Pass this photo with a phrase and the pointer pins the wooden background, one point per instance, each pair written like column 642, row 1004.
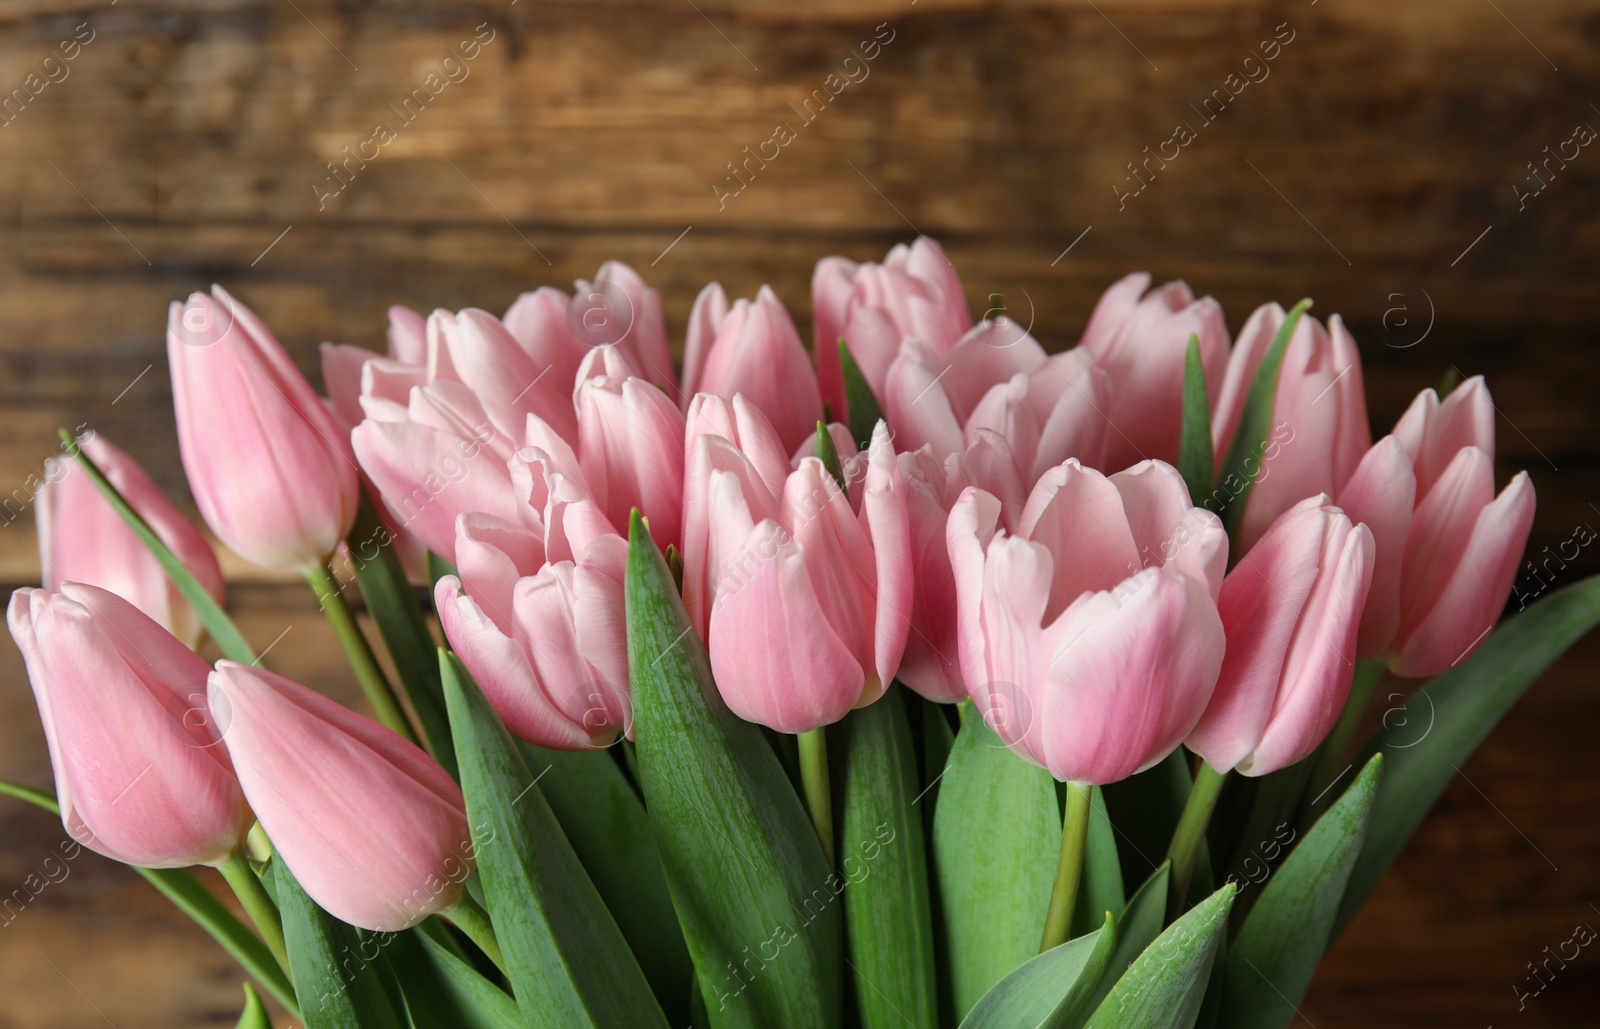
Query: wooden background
column 1373, row 169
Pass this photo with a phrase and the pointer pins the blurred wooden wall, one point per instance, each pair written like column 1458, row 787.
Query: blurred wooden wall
column 1380, row 164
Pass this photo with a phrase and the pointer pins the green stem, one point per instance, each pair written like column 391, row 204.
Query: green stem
column 1069, row 867
column 1331, row 755
column 262, row 911
column 471, row 919
column 373, row 682
column 1191, row 832
column 814, row 777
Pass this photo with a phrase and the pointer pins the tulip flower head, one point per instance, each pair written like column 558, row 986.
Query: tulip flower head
column 140, row 774
column 268, row 463
column 370, row 825
column 1290, row 609
column 83, row 539
column 1090, row 639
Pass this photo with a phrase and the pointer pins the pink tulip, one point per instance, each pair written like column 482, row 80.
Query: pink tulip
column 140, row 775
column 1054, row 412
column 809, row 598
column 915, row 292
column 343, row 365
column 83, row 539
column 618, row 309
column 537, row 614
column 1319, row 415
column 541, row 322
column 753, row 348
column 630, row 448
column 370, row 825
column 1090, row 638
column 1143, row 345
column 269, row 465
column 1290, row 609
column 1445, row 565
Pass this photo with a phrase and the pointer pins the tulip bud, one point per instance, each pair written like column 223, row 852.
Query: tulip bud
column 1143, row 345
column 539, row 321
column 753, row 348
column 269, row 466
column 619, row 310
column 538, row 616
column 140, row 774
column 1290, row 609
column 1090, row 639
column 915, row 292
column 630, row 446
column 83, row 539
column 370, row 825
column 809, row 599
column 1319, row 414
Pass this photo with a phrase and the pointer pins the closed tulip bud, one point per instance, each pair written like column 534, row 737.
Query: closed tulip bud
column 1290, row 609
column 370, row 825
column 618, row 309
column 1319, row 414
column 1049, row 414
column 753, row 348
column 507, row 381
column 537, row 616
column 630, row 448
column 539, row 320
column 809, row 598
column 1142, row 341
column 83, row 539
column 140, row 774
column 1090, row 638
column 1447, row 547
column 268, row 463
column 915, row 292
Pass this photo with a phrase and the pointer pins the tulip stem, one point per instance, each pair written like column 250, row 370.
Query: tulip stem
column 262, row 911
column 356, row 650
column 475, row 922
column 1069, row 867
column 814, row 777
column 1191, row 833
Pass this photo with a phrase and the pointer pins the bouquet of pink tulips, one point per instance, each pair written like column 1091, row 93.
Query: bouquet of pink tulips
column 927, row 680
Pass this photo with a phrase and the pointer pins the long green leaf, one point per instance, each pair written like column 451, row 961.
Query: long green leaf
column 194, row 900
column 1195, row 461
column 1138, row 924
column 398, row 615
column 605, row 822
column 254, row 1015
column 758, row 903
column 440, row 989
column 865, row 411
column 1463, row 705
column 1051, row 991
column 1165, row 985
column 217, row 623
column 340, row 988
column 888, row 921
column 565, row 956
column 1275, row 955
column 1100, row 891
column 1251, row 435
column 996, row 832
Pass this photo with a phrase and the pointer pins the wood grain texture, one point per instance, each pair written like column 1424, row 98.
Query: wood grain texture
column 1372, row 169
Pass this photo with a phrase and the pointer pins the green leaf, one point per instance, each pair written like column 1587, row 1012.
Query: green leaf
column 605, row 822
column 888, row 920
column 194, row 900
column 1051, row 991
column 1275, row 955
column 217, row 623
column 339, row 987
column 758, row 904
column 1164, row 986
column 1100, row 891
column 1138, row 924
column 254, row 1015
column 1254, row 431
column 828, row 454
column 865, row 411
column 996, row 832
column 567, row 960
column 440, row 989
column 1195, row 460
column 398, row 615
column 1461, row 706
